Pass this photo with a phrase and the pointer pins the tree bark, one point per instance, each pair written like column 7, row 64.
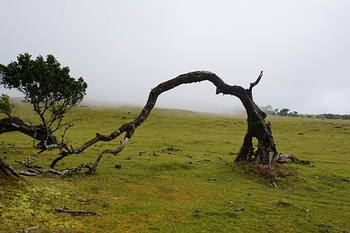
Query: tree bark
column 257, row 127
column 37, row 132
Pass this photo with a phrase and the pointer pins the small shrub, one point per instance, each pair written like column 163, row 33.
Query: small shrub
column 5, row 106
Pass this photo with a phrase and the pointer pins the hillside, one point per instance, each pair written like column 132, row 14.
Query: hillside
column 177, row 175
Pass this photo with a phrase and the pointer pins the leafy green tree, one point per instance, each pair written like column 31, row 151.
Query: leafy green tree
column 284, row 112
column 46, row 85
column 294, row 114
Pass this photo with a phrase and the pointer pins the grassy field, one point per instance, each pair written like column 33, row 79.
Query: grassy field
column 177, row 175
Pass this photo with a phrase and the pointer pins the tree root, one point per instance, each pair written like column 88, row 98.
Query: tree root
column 86, row 169
column 7, row 171
column 282, row 158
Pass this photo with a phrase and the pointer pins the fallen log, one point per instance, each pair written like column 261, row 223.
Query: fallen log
column 27, row 230
column 76, row 212
column 7, row 171
column 282, row 158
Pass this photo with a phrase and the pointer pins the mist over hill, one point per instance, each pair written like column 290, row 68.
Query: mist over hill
column 211, row 108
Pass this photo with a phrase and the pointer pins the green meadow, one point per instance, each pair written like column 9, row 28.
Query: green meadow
column 177, row 175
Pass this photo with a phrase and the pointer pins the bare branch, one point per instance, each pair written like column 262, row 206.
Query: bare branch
column 27, row 230
column 114, row 152
column 76, row 212
column 28, row 163
column 253, row 84
column 67, row 126
column 256, row 81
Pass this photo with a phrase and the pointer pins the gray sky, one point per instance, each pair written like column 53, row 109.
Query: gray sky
column 124, row 48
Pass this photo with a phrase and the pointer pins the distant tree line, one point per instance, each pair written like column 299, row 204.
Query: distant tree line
column 286, row 112
column 279, row 112
column 331, row 116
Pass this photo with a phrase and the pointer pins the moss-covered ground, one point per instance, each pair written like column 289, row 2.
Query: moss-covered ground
column 177, row 175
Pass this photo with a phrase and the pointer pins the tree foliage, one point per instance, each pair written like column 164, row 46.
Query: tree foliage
column 284, row 112
column 46, row 85
column 5, row 105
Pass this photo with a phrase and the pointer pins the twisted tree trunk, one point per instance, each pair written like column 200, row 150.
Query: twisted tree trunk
column 257, row 127
column 37, row 132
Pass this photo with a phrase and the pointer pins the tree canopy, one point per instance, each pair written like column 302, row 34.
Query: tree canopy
column 46, row 85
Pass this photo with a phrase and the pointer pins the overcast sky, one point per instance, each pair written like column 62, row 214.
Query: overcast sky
column 124, row 48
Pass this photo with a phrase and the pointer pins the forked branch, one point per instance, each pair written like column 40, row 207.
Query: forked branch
column 253, row 84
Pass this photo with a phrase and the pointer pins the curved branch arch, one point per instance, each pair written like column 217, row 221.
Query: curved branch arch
column 257, row 127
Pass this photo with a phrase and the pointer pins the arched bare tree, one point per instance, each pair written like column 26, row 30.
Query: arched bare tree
column 258, row 128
